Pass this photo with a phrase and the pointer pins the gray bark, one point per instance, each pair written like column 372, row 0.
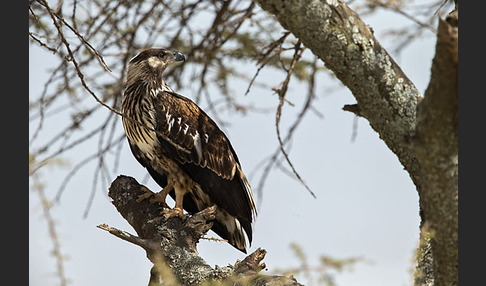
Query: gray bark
column 422, row 133
column 436, row 148
column 171, row 245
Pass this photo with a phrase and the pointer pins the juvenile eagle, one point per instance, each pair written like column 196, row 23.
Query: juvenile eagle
column 184, row 150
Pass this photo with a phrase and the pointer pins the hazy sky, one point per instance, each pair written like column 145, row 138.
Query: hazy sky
column 366, row 204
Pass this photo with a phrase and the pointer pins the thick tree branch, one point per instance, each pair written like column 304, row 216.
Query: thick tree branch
column 171, row 245
column 422, row 135
column 336, row 34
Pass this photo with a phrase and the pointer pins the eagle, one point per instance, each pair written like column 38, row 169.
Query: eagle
column 184, row 150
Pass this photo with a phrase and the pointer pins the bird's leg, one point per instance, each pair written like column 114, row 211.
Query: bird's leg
column 177, row 211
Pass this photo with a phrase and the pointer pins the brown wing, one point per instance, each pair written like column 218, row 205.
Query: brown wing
column 194, row 135
column 191, row 138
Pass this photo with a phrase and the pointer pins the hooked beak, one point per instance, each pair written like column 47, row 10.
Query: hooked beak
column 179, row 57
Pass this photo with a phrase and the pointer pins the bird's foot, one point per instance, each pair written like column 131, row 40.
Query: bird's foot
column 158, row 198
column 168, row 213
column 146, row 194
column 153, row 197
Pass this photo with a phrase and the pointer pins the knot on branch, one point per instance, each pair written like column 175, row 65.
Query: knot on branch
column 145, row 217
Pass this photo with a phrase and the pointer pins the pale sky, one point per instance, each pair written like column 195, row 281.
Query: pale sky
column 366, row 204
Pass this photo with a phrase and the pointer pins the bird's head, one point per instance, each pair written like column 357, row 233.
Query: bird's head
column 149, row 64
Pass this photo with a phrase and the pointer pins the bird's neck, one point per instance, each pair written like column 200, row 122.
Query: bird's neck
column 161, row 85
column 138, row 72
column 153, row 83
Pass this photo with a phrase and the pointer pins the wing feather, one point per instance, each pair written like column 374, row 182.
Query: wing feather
column 203, row 151
column 187, row 127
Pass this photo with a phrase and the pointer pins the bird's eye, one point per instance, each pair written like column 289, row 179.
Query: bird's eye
column 161, row 54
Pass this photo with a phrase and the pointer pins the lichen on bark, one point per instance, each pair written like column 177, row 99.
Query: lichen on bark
column 422, row 132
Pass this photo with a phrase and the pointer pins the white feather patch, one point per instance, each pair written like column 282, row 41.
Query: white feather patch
column 197, row 145
column 238, row 225
column 154, row 62
column 169, row 120
column 171, row 123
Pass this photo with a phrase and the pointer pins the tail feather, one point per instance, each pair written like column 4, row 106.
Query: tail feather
column 233, row 230
column 225, row 225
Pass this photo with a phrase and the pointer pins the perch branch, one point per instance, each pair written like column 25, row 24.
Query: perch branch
column 171, row 245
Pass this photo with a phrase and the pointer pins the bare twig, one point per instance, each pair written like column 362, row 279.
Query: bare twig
column 73, row 58
column 46, row 207
column 282, row 92
column 144, row 243
column 264, row 59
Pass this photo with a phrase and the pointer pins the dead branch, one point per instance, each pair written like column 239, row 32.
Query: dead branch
column 171, row 245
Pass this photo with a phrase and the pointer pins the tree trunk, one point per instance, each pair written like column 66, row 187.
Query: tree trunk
column 436, row 148
column 422, row 133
